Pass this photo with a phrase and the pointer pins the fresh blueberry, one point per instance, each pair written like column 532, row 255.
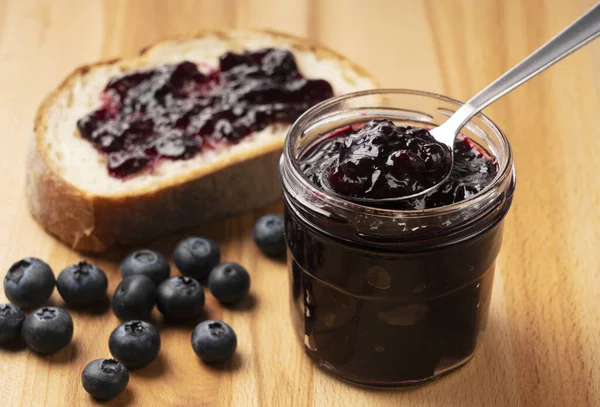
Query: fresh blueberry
column 180, row 298
column 214, row 341
column 196, row 256
column 229, row 282
column 268, row 235
column 11, row 320
column 104, row 379
column 29, row 283
column 134, row 298
column 48, row 330
column 135, row 343
column 82, row 284
column 147, row 262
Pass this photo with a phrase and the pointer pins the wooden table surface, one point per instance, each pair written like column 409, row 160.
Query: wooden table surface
column 542, row 346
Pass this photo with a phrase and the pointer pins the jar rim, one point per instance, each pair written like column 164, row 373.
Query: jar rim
column 505, row 170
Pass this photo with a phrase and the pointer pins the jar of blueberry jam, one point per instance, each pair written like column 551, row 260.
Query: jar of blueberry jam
column 393, row 293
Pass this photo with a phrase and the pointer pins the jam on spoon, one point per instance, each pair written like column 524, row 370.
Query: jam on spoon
column 380, row 160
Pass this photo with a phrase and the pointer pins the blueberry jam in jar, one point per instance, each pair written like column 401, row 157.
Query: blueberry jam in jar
column 394, row 294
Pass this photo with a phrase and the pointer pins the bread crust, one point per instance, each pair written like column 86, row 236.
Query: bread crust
column 93, row 223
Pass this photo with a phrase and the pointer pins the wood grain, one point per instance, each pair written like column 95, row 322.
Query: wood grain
column 542, row 343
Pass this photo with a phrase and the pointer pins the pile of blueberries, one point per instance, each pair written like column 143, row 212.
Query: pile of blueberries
column 146, row 282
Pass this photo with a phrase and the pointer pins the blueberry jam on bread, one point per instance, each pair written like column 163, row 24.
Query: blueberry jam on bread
column 189, row 131
column 175, row 111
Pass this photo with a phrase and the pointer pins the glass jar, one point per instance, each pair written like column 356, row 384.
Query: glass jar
column 384, row 297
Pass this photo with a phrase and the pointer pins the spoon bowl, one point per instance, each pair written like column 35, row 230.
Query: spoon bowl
column 379, row 201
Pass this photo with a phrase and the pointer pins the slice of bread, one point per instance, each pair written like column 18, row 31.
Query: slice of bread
column 72, row 196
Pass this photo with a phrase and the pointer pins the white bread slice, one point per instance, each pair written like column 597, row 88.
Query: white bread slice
column 72, row 196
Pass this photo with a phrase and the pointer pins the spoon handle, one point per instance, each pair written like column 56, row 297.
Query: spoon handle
column 575, row 36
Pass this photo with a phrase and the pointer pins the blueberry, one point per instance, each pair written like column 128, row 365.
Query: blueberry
column 11, row 320
column 29, row 283
column 104, row 379
column 279, row 62
column 229, row 282
column 404, row 161
column 48, row 330
column 82, row 284
column 196, row 256
column 134, row 298
column 135, row 343
column 214, row 341
column 180, row 298
column 147, row 262
column 268, row 235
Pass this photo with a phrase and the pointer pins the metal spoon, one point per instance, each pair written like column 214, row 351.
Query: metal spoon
column 575, row 36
